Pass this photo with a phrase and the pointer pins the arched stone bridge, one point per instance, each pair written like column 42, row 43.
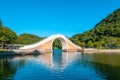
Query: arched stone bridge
column 46, row 44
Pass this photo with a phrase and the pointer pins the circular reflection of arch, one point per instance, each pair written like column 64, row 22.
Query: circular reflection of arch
column 63, row 42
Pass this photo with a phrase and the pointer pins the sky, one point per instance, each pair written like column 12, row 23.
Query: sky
column 48, row 17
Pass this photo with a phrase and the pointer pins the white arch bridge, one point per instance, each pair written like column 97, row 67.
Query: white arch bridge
column 46, row 44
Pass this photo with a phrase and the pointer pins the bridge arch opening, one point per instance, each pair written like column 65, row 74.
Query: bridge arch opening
column 60, row 42
column 57, row 44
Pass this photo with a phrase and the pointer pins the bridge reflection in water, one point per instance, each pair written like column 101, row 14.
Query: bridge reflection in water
column 57, row 59
column 19, row 67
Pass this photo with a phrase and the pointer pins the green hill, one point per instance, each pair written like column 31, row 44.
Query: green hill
column 106, row 34
column 27, row 39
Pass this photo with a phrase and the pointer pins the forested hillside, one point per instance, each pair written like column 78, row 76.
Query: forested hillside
column 7, row 36
column 106, row 34
column 27, row 39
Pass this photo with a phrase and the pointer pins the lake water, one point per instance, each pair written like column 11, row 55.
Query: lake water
column 61, row 66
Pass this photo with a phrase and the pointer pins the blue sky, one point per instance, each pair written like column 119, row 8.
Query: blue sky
column 47, row 17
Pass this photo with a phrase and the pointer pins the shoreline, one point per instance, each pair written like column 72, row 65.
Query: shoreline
column 37, row 52
column 93, row 50
column 17, row 53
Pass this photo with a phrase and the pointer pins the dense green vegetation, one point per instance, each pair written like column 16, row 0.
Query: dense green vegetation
column 27, row 39
column 6, row 35
column 57, row 44
column 106, row 34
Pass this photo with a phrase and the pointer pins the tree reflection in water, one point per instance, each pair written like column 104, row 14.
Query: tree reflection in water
column 106, row 64
column 9, row 66
column 6, row 70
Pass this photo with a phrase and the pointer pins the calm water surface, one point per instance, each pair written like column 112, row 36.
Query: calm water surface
column 61, row 66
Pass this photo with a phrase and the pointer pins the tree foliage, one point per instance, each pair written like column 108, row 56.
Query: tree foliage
column 57, row 44
column 27, row 39
column 6, row 35
column 106, row 34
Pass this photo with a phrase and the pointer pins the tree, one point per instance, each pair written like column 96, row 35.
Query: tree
column 0, row 23
column 82, row 44
column 90, row 44
column 97, row 44
column 1, row 27
column 6, row 35
column 57, row 44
